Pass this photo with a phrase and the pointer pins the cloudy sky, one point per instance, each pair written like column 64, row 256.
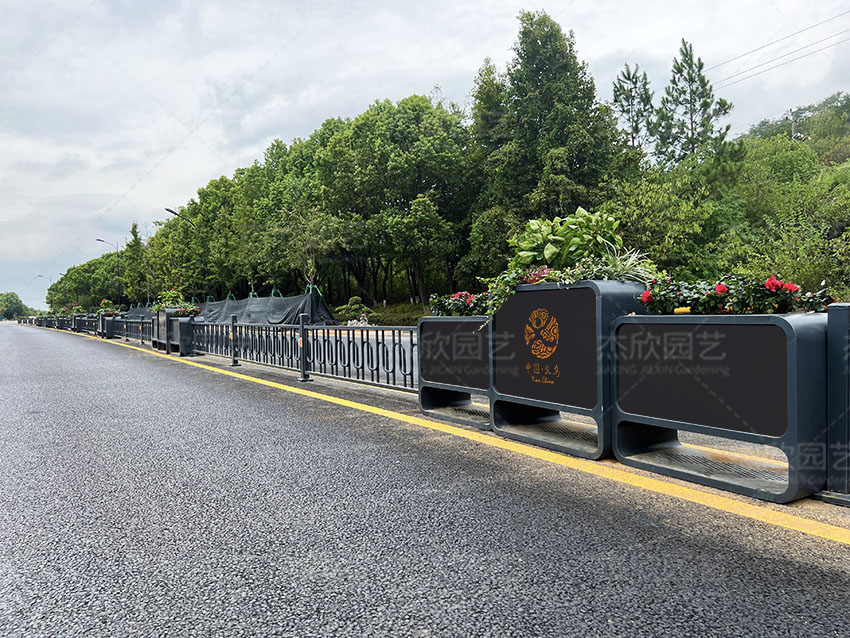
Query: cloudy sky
column 111, row 110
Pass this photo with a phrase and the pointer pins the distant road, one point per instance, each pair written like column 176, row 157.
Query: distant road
column 142, row 496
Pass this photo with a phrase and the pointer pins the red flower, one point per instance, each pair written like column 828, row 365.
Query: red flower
column 721, row 289
column 456, row 295
column 773, row 284
column 646, row 297
column 791, row 287
column 469, row 300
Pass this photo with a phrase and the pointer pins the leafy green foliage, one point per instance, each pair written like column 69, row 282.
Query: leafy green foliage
column 11, row 306
column 560, row 243
column 416, row 196
column 354, row 309
column 107, row 308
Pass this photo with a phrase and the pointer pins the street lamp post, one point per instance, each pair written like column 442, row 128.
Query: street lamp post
column 117, row 266
column 47, row 296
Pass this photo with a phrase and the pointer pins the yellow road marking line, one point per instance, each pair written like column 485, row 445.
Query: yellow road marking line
column 607, row 470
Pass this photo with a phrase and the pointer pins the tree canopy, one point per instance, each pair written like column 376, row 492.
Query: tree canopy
column 418, row 196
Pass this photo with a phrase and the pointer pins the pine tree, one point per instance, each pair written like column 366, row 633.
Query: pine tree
column 688, row 116
column 633, row 104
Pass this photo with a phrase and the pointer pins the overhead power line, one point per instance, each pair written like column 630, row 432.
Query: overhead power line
column 799, row 57
column 784, row 55
column 782, row 39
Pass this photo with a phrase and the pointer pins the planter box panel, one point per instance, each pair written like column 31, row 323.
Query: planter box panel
column 757, row 378
column 551, row 353
column 454, row 365
column 731, row 377
column 545, row 348
column 453, row 351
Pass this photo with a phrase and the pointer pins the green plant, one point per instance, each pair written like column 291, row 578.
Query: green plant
column 78, row 310
column 459, row 304
column 561, row 243
column 186, row 310
column 612, row 263
column 107, row 308
column 354, row 309
column 731, row 294
column 169, row 299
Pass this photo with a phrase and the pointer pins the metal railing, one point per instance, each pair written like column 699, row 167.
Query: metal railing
column 375, row 355
column 133, row 329
column 87, row 324
column 381, row 355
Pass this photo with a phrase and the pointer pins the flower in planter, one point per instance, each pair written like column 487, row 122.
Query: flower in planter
column 773, row 284
column 646, row 297
column 459, row 304
column 732, row 294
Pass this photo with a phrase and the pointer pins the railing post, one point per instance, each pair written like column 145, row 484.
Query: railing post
column 126, row 334
column 304, row 344
column 142, row 331
column 233, row 341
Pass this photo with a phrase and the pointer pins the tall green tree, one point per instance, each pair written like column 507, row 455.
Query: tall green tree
column 689, row 115
column 419, row 234
column 136, row 283
column 11, row 305
column 555, row 125
column 633, row 104
column 489, row 108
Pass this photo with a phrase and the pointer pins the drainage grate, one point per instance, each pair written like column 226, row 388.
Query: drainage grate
column 562, row 429
column 707, row 466
column 473, row 412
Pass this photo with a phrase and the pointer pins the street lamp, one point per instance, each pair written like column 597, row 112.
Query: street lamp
column 47, row 296
column 117, row 266
column 185, row 219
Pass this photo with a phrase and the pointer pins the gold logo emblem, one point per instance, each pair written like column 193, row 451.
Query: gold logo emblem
column 541, row 332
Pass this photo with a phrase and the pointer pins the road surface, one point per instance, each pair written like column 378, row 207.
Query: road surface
column 143, row 496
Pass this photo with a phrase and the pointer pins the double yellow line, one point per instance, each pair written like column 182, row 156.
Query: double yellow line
column 605, row 470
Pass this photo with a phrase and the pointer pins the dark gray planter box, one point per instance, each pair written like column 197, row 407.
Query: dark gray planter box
column 838, row 405
column 173, row 334
column 757, row 378
column 106, row 326
column 551, row 354
column 454, row 365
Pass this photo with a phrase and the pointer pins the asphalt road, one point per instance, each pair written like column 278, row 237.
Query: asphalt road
column 141, row 496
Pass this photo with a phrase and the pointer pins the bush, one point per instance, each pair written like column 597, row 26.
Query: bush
column 402, row 314
column 354, row 309
column 107, row 308
column 459, row 304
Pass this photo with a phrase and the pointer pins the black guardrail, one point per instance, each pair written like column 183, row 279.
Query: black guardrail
column 376, row 355
column 551, row 357
column 758, row 379
column 454, row 367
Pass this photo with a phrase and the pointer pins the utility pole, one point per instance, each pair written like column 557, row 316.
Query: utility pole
column 793, row 117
